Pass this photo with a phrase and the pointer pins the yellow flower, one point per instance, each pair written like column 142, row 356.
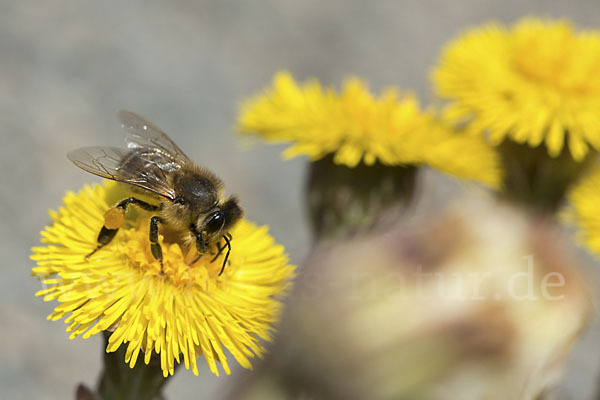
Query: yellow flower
column 537, row 82
column 356, row 127
column 585, row 210
column 189, row 310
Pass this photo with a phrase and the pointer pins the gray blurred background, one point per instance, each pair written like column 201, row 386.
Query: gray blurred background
column 66, row 67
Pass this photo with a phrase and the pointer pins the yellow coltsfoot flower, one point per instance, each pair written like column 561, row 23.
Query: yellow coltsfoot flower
column 364, row 150
column 183, row 311
column 536, row 82
column 357, row 128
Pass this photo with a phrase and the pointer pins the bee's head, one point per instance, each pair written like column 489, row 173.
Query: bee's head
column 212, row 226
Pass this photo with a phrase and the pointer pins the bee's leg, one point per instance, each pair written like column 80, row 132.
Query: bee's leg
column 154, row 246
column 114, row 218
column 199, row 256
column 220, row 249
column 104, row 238
column 140, row 203
column 228, row 244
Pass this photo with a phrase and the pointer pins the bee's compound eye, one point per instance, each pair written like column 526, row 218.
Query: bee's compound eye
column 215, row 222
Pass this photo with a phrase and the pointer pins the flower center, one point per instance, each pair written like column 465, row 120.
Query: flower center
column 554, row 56
column 181, row 269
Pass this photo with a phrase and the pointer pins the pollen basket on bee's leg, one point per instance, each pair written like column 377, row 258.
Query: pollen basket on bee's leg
column 114, row 218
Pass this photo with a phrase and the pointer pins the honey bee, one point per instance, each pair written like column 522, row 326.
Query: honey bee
column 190, row 199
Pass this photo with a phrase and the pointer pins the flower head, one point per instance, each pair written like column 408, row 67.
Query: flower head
column 536, row 82
column 585, row 210
column 187, row 310
column 356, row 127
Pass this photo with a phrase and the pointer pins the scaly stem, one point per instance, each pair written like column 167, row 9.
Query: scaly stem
column 536, row 180
column 343, row 200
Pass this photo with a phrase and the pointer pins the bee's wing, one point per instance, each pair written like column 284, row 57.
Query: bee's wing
column 146, row 168
column 143, row 133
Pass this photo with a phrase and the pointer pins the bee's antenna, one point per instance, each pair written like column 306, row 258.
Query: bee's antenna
column 226, row 255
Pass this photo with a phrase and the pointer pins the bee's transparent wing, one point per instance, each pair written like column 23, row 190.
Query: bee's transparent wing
column 143, row 133
column 146, row 168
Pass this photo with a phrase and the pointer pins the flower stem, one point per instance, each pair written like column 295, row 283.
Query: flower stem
column 343, row 200
column 536, row 180
column 120, row 382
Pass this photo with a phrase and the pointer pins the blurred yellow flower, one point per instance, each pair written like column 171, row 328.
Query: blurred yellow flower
column 538, row 81
column 188, row 310
column 356, row 127
column 585, row 210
